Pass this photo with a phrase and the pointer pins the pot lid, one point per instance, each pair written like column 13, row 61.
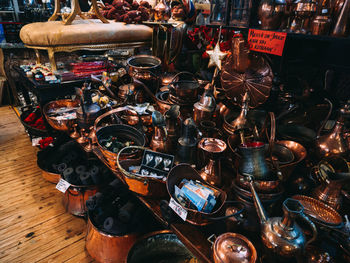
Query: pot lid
column 232, row 248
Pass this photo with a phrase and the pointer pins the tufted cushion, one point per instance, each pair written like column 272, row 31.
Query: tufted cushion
column 88, row 31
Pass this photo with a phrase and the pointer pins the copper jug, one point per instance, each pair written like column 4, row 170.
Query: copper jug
column 205, row 107
column 282, row 235
column 329, row 191
column 334, row 143
column 187, row 143
column 160, row 141
column 253, row 161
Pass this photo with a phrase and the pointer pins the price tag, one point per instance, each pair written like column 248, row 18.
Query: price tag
column 267, row 41
column 62, row 185
column 178, row 209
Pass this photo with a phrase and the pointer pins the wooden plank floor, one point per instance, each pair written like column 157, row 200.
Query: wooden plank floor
column 34, row 226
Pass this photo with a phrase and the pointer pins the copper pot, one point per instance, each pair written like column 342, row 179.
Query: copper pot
column 104, row 247
column 74, row 199
column 145, row 186
column 186, row 90
column 146, row 69
column 233, row 248
column 124, row 132
column 61, row 125
column 271, row 13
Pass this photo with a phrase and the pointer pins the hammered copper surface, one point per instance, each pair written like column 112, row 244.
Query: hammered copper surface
column 319, row 211
column 256, row 81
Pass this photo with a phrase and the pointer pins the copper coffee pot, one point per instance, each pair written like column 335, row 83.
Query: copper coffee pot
column 334, row 143
column 282, row 235
column 160, row 141
column 205, row 107
column 214, row 149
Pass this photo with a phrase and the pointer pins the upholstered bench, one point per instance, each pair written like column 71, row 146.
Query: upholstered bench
column 83, row 34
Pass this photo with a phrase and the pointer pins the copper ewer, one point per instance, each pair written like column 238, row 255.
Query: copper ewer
column 105, row 248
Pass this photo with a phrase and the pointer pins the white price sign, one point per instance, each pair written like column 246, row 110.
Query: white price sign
column 62, row 185
column 178, row 209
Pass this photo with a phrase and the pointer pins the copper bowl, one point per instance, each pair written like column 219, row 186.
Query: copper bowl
column 61, row 125
column 299, row 153
column 260, row 186
column 320, row 212
column 247, row 195
column 195, row 217
column 105, row 247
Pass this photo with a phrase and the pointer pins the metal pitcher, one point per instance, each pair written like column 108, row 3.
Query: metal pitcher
column 281, row 235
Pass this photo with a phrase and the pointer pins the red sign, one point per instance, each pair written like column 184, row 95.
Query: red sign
column 266, row 41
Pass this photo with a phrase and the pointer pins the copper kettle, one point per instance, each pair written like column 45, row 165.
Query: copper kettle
column 282, row 235
column 334, row 143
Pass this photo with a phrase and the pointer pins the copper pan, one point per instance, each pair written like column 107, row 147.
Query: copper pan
column 145, row 186
column 104, row 247
column 61, row 125
column 195, row 217
column 247, row 195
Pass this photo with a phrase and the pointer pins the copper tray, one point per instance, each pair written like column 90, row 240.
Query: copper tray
column 257, row 81
column 319, row 211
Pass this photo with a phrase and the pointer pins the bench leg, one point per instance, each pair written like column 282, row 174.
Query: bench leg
column 51, row 54
column 37, row 56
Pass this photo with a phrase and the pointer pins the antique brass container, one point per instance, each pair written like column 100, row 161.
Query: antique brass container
column 281, row 235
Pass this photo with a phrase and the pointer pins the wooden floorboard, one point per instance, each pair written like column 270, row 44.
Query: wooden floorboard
column 34, row 226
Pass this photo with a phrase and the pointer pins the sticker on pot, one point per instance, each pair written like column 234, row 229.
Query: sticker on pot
column 62, row 185
column 178, row 209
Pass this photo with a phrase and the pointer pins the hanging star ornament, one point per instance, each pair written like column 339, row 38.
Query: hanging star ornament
column 216, row 56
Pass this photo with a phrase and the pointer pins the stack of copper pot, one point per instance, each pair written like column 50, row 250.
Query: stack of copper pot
column 267, row 185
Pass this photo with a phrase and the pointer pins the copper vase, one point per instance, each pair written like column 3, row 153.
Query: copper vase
column 214, row 149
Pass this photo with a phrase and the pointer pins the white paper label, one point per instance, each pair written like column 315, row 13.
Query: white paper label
column 35, row 141
column 178, row 209
column 62, row 185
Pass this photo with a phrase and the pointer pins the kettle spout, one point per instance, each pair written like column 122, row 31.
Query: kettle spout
column 257, row 203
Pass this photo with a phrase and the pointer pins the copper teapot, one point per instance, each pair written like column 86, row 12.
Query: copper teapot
column 282, row 235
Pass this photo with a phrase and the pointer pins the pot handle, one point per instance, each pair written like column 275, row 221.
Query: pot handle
column 117, row 110
column 313, row 228
column 237, row 214
column 183, row 73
